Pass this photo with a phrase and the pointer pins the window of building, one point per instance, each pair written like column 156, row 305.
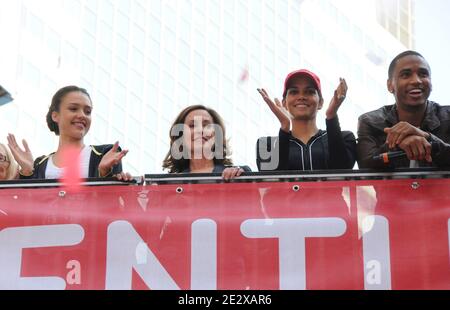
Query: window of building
column 106, row 33
column 139, row 37
column 107, row 11
column 105, row 57
column 123, row 24
column 137, row 83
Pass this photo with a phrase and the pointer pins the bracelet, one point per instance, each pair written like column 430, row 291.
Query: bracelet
column 107, row 175
column 26, row 175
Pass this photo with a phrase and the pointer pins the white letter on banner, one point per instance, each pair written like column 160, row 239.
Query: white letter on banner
column 13, row 240
column 291, row 234
column 204, row 255
column 127, row 251
column 376, row 252
column 73, row 277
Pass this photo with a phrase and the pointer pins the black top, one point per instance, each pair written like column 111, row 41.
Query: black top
column 330, row 149
column 97, row 153
column 372, row 138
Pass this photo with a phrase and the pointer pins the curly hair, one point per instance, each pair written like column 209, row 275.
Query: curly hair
column 180, row 165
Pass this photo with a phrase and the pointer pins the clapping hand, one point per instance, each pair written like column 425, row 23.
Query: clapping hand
column 338, row 98
column 23, row 156
column 278, row 109
column 110, row 159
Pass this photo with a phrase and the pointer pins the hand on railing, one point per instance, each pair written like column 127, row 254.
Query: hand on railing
column 231, row 173
column 124, row 176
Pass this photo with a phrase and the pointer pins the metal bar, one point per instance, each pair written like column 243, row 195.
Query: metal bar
column 249, row 177
column 54, row 183
column 156, row 179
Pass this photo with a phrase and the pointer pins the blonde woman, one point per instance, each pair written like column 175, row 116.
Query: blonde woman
column 8, row 167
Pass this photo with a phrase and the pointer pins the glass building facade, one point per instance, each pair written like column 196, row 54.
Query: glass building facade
column 143, row 61
column 398, row 17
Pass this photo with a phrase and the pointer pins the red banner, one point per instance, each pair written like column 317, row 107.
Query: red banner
column 313, row 235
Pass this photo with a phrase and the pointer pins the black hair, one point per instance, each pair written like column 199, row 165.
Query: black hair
column 56, row 104
column 398, row 57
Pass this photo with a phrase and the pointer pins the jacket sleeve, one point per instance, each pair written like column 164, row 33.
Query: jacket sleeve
column 367, row 146
column 341, row 146
column 246, row 168
column 283, row 150
column 441, row 151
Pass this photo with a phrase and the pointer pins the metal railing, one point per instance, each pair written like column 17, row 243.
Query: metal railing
column 248, row 177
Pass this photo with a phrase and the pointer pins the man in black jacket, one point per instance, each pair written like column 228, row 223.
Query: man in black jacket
column 414, row 127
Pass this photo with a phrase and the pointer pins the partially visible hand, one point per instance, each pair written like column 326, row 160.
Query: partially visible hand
column 110, row 159
column 401, row 130
column 416, row 148
column 231, row 173
column 277, row 108
column 124, row 176
column 23, row 156
column 338, row 98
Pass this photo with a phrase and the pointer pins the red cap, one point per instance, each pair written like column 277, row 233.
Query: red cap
column 302, row 72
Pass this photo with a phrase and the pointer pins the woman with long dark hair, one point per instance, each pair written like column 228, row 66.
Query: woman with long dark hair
column 198, row 144
column 69, row 117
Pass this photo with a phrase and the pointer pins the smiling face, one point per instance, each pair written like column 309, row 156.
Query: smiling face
column 199, row 132
column 302, row 98
column 411, row 82
column 74, row 115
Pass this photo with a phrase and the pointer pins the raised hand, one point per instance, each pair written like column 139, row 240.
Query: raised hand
column 339, row 96
column 277, row 108
column 110, row 159
column 23, row 156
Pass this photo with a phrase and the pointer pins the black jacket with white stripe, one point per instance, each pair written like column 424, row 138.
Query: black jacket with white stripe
column 330, row 149
column 97, row 153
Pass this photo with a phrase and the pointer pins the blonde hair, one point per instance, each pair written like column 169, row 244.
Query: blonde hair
column 13, row 168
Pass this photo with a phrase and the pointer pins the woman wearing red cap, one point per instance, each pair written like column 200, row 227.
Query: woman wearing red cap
column 300, row 144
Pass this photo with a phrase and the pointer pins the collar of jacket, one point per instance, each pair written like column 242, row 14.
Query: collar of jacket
column 318, row 134
column 430, row 121
column 96, row 152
